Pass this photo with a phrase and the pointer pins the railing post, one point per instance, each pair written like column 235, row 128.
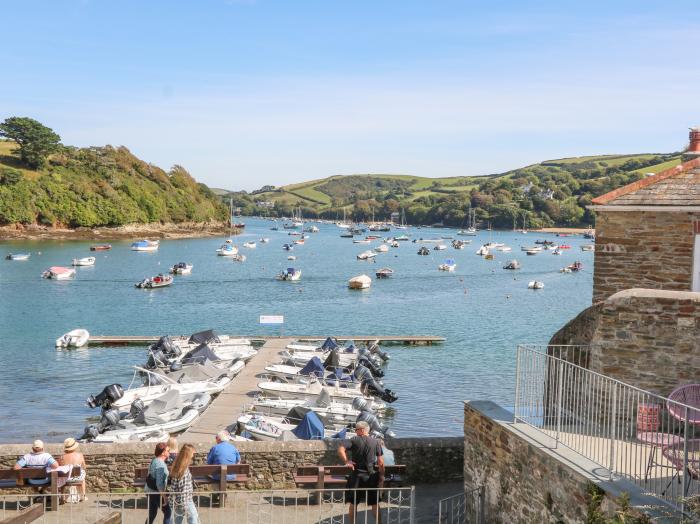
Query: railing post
column 482, row 504
column 518, row 351
column 412, row 512
column 613, row 425
column 560, row 386
column 685, row 455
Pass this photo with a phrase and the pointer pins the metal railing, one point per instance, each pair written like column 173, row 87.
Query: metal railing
column 631, row 433
column 463, row 508
column 295, row 506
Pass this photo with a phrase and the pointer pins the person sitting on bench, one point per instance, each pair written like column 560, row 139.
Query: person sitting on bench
column 38, row 458
column 223, row 453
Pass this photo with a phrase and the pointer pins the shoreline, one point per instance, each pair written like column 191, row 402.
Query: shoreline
column 126, row 232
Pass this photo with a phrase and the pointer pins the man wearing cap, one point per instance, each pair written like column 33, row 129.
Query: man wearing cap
column 367, row 470
column 38, row 458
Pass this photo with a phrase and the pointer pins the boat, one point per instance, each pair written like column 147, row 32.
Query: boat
column 362, row 241
column 239, row 225
column 531, row 248
column 75, row 339
column 336, row 412
column 383, row 248
column 488, row 256
column 535, row 284
column 576, row 266
column 513, row 264
column 532, row 252
column 563, row 246
column 470, row 231
column 299, row 242
column 372, row 237
column 268, row 428
column 86, row 261
column 504, row 249
column 440, row 247
column 312, row 229
column 423, row 251
column 160, row 280
column 589, row 234
column 347, row 234
column 181, row 268
column 360, row 282
column 366, row 255
column 394, row 243
column 385, row 272
column 238, row 257
column 557, row 251
column 59, row 273
column 448, row 265
column 401, row 238
column 227, row 250
column 460, row 244
column 250, row 245
column 588, row 247
column 18, row 256
column 483, row 251
column 545, row 242
column 145, row 245
column 101, row 247
column 291, row 257
column 288, row 247
column 312, row 390
column 290, row 274
column 264, row 240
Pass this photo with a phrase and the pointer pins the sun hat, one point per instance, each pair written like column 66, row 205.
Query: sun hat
column 38, row 444
column 70, row 444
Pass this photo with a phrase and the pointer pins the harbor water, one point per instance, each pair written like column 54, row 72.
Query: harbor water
column 481, row 309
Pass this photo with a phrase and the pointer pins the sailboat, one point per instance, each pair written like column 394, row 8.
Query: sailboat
column 227, row 249
column 344, row 224
column 524, row 230
column 471, row 229
column 403, row 221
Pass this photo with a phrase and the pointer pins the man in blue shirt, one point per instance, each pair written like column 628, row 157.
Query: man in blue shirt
column 223, row 453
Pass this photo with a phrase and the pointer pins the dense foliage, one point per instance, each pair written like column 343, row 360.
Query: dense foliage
column 35, row 142
column 101, row 186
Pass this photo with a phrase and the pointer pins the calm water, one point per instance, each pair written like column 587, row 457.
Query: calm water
column 482, row 310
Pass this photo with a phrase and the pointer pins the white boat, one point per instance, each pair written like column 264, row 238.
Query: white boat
column 447, row 265
column 264, row 240
column 18, row 256
column 59, row 273
column 531, row 248
column 469, row 232
column 76, row 338
column 361, row 241
column 291, row 257
column 385, row 272
column 504, row 249
column 394, row 243
column 535, row 284
column 181, row 268
column 266, row 428
column 238, row 257
column 145, row 245
column 86, row 261
column 250, row 245
column 312, row 229
column 532, row 252
column 366, row 255
column 440, row 247
column 588, row 247
column 290, row 274
column 401, row 238
column 337, row 412
column 308, row 391
column 303, row 347
column 360, row 282
column 513, row 264
column 483, row 251
column 383, row 248
column 557, row 251
column 155, row 282
column 227, row 250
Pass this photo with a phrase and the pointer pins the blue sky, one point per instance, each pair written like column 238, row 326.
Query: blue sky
column 251, row 92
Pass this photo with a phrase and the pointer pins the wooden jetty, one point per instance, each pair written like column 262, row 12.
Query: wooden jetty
column 409, row 340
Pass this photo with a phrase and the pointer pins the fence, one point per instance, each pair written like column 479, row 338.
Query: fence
column 643, row 437
column 463, row 508
column 396, row 505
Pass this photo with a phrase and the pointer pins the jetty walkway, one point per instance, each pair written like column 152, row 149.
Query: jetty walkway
column 410, row 340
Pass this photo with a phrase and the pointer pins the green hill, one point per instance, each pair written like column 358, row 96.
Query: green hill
column 551, row 193
column 100, row 186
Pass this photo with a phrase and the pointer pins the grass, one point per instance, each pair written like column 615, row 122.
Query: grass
column 659, row 167
column 11, row 160
column 611, row 160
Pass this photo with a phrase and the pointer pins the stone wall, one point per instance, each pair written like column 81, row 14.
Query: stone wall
column 112, row 466
column 643, row 249
column 644, row 337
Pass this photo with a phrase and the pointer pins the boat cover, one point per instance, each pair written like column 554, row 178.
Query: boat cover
column 341, row 434
column 200, row 354
column 200, row 372
column 324, row 399
column 332, row 360
column 350, row 347
column 204, row 337
column 310, row 427
column 313, row 367
column 329, row 344
column 153, row 412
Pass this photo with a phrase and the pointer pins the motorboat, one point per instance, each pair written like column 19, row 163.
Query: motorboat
column 428, row 240
column 291, row 257
column 576, row 266
column 250, row 245
column 158, row 281
column 366, row 255
column 208, row 336
column 532, row 252
column 401, row 238
column 535, row 284
column 513, row 264
column 309, row 391
column 360, row 282
column 545, row 242
column 448, row 265
column 311, row 229
column 300, row 241
column 268, row 428
column 382, row 248
column 347, row 234
column 86, row 261
column 227, row 250
column 18, row 256
column 563, row 246
column 588, row 247
column 238, row 257
column 227, row 359
column 482, row 251
column 440, row 247
column 168, row 413
column 288, row 247
column 469, row 232
column 494, row 245
column 76, row 338
column 531, row 248
column 290, row 274
column 460, row 244
column 556, row 251
column 335, row 412
column 181, row 268
column 362, row 241
column 504, row 249
column 385, row 272
column 423, row 251
column 394, row 243
column 59, row 273
column 264, row 240
column 145, row 245
column 101, row 247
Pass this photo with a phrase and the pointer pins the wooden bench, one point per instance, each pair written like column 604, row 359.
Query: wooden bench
column 202, row 475
column 18, row 478
column 33, row 512
column 322, row 477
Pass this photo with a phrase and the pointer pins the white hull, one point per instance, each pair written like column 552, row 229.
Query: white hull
column 76, row 338
column 87, row 261
column 336, row 412
column 308, row 391
column 147, row 394
column 137, row 432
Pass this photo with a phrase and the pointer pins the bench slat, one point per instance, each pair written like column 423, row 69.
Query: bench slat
column 30, row 514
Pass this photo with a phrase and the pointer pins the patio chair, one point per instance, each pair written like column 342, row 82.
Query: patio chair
column 690, row 396
column 648, row 425
column 675, row 455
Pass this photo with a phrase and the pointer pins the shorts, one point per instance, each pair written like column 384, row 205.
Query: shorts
column 363, row 482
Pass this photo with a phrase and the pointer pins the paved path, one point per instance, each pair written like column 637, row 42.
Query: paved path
column 226, row 408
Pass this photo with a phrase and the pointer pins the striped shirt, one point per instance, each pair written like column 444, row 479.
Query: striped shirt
column 37, row 460
column 180, row 490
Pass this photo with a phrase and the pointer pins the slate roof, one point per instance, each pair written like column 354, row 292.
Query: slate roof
column 678, row 186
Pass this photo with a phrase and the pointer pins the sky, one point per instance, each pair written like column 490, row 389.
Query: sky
column 245, row 93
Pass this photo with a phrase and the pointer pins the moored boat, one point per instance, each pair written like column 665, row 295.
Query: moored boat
column 513, row 264
column 86, row 261
column 227, row 250
column 145, row 245
column 101, row 247
column 360, row 282
column 383, row 248
column 535, row 284
column 75, row 338
column 366, row 255
column 249, row 245
column 181, row 268
column 588, row 247
column 155, row 282
column 18, row 256
column 59, row 273
column 290, row 274
column 448, row 265
column 423, row 251
column 384, row 272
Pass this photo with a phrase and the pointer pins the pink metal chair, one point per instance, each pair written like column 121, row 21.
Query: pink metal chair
column 690, row 396
column 648, row 425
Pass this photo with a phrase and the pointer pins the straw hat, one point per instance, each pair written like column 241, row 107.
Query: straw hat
column 70, row 444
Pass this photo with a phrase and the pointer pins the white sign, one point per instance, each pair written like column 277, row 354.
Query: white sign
column 271, row 319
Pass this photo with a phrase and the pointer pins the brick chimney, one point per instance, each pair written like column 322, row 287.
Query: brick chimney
column 693, row 150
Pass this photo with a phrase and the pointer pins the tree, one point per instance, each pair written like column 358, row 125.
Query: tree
column 35, row 140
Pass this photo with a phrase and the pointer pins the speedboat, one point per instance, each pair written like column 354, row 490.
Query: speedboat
column 288, row 247
column 101, row 247
column 311, row 229
column 483, row 251
column 362, row 241
column 300, row 241
column 470, row 231
column 291, row 257
column 556, row 252
column 532, row 252
column 513, row 264
column 267, row 428
column 460, row 244
column 249, row 245
column 423, row 251
column 535, row 284
column 145, row 245
column 227, row 250
column 366, row 255
column 264, row 240
column 385, row 272
column 86, row 261
column 160, row 280
column 448, row 265
column 181, row 268
column 238, row 257
column 504, row 249
column 76, row 338
column 401, row 238
column 18, row 256
column 576, row 266
column 383, row 248
column 394, row 243
column 290, row 274
column 335, row 412
column 440, row 247
column 588, row 247
column 59, row 273
column 360, row 282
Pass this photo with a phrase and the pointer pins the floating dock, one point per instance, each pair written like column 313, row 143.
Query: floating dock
column 408, row 340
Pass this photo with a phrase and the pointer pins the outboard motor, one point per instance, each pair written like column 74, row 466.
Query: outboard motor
column 176, row 366
column 156, row 359
column 361, row 404
column 376, row 372
column 375, row 426
column 136, row 409
column 105, row 398
column 372, row 387
column 374, row 349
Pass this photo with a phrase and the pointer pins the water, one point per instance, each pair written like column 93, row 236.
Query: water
column 482, row 310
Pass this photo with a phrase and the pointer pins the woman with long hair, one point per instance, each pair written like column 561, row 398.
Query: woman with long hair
column 180, row 487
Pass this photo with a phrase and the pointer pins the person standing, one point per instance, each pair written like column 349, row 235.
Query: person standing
column 367, row 470
column 180, row 487
column 156, row 483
